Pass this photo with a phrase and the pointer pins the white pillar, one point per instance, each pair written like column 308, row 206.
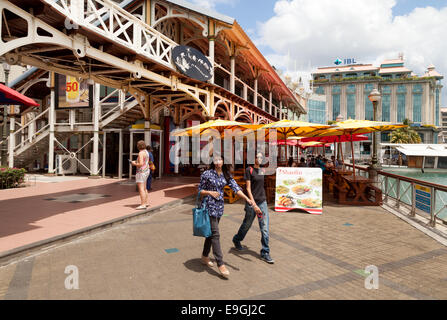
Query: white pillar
column 31, row 127
column 211, row 57
column 280, row 111
column 131, row 155
column 120, row 155
column 147, row 132
column 12, row 141
column 51, row 120
column 233, row 73
column 255, row 98
column 270, row 101
column 176, row 151
column 104, row 141
column 94, row 168
column 245, row 93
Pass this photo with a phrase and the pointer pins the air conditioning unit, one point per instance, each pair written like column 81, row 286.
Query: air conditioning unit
column 66, row 165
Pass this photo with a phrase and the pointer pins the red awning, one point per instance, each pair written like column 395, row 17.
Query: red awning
column 9, row 96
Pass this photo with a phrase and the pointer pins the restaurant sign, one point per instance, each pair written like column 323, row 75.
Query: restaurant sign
column 192, row 63
column 299, row 188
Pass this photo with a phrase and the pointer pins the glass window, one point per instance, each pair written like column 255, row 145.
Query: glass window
column 386, row 105
column 336, row 89
column 317, row 112
column 350, row 106
column 319, row 90
column 442, row 162
column 386, row 89
column 437, row 107
column 417, row 88
column 369, row 114
column 335, row 106
column 385, row 137
column 429, row 162
column 417, row 108
column 401, row 107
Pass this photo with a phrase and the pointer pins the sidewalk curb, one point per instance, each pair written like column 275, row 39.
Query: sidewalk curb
column 6, row 257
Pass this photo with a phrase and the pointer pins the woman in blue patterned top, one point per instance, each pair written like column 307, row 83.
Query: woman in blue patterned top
column 212, row 183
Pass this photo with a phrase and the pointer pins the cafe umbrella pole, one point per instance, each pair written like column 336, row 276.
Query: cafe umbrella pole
column 353, row 160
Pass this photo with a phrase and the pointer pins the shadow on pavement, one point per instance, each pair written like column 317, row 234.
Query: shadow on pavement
column 245, row 252
column 197, row 266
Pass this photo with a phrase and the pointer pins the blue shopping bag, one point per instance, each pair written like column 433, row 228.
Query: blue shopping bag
column 201, row 220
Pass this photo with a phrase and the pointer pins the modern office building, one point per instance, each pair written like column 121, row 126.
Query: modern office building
column 404, row 95
column 444, row 125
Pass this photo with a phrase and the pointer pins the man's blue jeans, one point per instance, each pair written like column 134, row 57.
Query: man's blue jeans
column 250, row 215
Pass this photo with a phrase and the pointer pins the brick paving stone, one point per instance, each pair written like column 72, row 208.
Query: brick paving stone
column 315, row 259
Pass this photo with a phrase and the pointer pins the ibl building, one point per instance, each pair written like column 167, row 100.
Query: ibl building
column 404, row 95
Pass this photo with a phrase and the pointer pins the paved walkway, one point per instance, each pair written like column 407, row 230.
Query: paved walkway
column 46, row 210
column 317, row 257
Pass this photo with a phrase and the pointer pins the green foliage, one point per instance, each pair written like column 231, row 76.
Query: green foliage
column 331, row 122
column 368, row 78
column 405, row 135
column 11, row 177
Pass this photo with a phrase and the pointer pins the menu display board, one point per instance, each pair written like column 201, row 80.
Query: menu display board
column 299, row 188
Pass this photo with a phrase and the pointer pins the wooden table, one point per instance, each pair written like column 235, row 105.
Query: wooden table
column 358, row 184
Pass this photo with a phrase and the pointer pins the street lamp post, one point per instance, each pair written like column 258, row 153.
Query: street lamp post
column 4, row 132
column 374, row 97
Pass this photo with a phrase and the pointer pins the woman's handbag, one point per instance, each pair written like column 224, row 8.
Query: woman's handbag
column 201, row 220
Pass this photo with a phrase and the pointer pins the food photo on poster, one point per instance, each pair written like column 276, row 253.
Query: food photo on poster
column 299, row 188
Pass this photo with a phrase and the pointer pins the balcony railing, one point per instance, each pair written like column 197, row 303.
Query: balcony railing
column 411, row 196
column 249, row 92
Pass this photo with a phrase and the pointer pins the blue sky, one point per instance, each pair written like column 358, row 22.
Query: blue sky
column 249, row 13
column 297, row 36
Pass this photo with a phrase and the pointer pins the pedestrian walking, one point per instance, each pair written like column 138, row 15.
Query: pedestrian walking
column 151, row 167
column 143, row 172
column 254, row 178
column 212, row 183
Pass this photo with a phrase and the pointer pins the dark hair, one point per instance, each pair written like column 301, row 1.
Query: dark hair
column 225, row 169
column 149, row 148
column 302, row 160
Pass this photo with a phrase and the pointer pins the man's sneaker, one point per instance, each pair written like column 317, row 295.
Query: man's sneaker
column 267, row 258
column 237, row 245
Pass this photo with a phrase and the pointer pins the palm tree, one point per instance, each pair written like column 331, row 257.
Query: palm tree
column 405, row 135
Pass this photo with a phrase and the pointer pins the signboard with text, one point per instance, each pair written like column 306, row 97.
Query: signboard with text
column 192, row 63
column 423, row 198
column 299, row 188
column 72, row 92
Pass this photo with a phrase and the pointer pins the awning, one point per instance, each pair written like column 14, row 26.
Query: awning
column 9, row 96
column 423, row 150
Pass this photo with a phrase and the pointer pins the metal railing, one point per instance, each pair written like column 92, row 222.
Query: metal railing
column 419, row 197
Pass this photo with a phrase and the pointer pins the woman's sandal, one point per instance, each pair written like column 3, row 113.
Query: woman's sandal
column 141, row 208
column 224, row 271
column 207, row 262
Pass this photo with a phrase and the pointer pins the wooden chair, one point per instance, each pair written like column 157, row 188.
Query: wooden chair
column 376, row 194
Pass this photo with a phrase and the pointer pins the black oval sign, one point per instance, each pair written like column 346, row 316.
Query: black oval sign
column 192, row 63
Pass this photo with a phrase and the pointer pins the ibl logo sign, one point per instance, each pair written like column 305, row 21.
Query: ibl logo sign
column 345, row 61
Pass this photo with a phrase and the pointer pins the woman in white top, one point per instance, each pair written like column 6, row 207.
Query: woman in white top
column 143, row 172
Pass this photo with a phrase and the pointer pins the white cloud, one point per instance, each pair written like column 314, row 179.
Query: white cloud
column 320, row 31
